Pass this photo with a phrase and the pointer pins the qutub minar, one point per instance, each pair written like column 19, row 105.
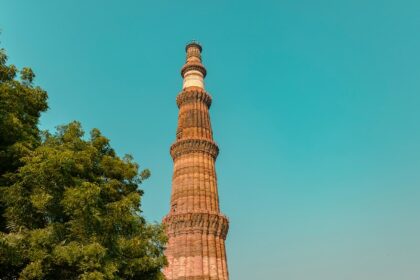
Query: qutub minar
column 195, row 227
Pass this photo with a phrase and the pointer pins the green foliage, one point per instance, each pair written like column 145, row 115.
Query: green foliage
column 69, row 207
column 20, row 107
column 73, row 212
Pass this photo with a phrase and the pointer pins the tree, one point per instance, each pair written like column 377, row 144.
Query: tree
column 74, row 213
column 20, row 107
column 69, row 207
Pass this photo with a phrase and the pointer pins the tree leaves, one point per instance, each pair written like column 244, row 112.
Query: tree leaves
column 71, row 205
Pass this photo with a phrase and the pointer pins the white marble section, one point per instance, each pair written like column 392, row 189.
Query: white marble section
column 193, row 78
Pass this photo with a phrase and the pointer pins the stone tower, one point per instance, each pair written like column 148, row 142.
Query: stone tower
column 195, row 227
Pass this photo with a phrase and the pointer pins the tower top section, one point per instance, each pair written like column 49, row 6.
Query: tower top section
column 193, row 70
column 194, row 44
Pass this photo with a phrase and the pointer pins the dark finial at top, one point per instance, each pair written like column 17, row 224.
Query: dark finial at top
column 194, row 43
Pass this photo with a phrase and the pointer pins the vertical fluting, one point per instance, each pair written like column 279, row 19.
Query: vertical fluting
column 195, row 227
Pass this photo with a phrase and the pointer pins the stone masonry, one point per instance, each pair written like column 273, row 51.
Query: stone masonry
column 195, row 227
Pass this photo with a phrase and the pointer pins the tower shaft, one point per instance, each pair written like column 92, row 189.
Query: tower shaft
column 195, row 227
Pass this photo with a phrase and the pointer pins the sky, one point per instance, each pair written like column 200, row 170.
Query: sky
column 315, row 110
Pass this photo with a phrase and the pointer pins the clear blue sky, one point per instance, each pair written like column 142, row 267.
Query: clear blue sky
column 316, row 111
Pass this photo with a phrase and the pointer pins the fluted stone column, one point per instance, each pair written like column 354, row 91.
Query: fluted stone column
column 195, row 227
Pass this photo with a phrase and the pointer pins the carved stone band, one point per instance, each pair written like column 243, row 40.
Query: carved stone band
column 205, row 223
column 193, row 94
column 193, row 66
column 187, row 146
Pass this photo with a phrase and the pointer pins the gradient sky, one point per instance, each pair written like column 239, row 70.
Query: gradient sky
column 316, row 110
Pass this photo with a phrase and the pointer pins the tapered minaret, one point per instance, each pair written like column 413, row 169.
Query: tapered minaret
column 195, row 227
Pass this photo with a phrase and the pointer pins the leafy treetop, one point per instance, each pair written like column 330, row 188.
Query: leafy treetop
column 74, row 213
